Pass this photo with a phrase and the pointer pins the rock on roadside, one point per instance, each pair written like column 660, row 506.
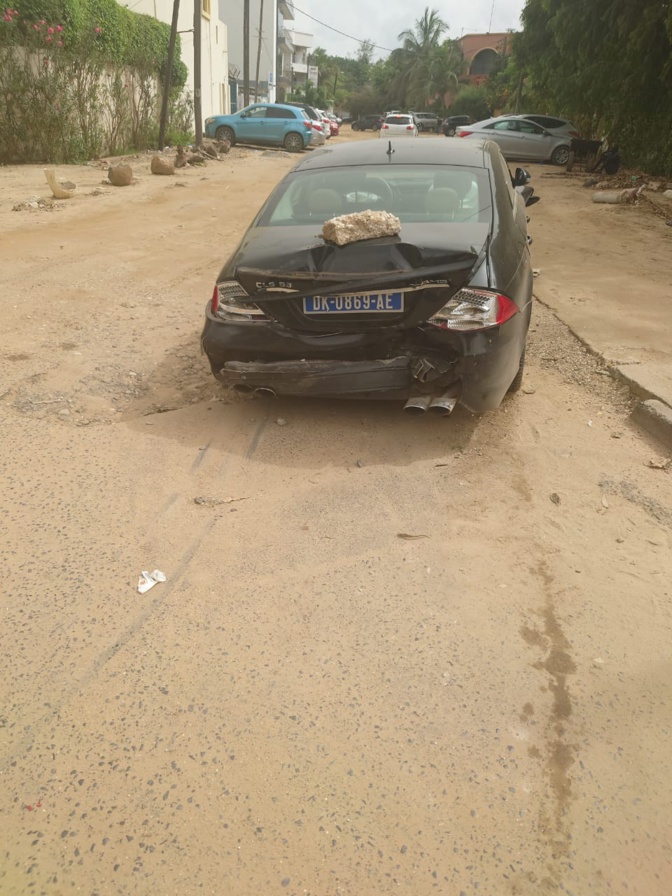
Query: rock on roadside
column 162, row 166
column 120, row 175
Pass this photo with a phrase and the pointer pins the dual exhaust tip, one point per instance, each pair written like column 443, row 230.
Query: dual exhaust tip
column 441, row 406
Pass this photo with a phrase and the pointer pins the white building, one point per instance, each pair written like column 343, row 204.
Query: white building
column 270, row 46
column 294, row 51
column 215, row 96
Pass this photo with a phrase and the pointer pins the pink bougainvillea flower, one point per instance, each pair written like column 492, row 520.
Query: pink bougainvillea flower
column 42, row 22
column 50, row 30
column 47, row 39
column 60, row 43
column 98, row 30
column 59, row 27
column 36, row 27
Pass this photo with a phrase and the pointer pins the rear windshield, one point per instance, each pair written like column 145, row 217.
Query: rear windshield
column 398, row 119
column 415, row 193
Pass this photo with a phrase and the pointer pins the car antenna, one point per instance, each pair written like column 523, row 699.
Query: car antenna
column 390, row 151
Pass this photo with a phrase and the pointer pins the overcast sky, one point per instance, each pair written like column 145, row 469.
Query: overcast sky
column 382, row 20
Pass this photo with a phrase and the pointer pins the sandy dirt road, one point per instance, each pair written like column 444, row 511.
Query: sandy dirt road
column 312, row 703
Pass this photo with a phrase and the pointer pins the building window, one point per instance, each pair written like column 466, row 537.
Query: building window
column 205, row 8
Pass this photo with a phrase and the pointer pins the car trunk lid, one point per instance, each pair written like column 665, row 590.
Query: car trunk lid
column 323, row 286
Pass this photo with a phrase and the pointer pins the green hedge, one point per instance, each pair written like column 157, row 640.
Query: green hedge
column 125, row 37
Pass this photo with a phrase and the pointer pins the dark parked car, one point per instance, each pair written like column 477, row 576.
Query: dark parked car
column 453, row 122
column 434, row 316
column 273, row 124
column 368, row 123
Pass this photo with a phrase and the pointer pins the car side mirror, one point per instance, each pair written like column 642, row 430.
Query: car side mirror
column 244, row 114
column 521, row 177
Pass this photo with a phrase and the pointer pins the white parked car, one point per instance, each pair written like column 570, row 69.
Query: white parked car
column 399, row 125
column 326, row 126
column 318, row 134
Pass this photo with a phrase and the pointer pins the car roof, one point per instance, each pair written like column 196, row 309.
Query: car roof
column 274, row 105
column 405, row 152
column 538, row 115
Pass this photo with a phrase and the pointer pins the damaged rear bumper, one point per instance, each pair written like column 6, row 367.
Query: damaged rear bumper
column 384, row 364
column 343, row 379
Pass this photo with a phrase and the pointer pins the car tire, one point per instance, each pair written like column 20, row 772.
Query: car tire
column 560, row 155
column 450, row 132
column 293, row 142
column 518, row 378
column 225, row 133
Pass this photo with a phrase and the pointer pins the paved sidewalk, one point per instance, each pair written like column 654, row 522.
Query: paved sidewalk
column 606, row 270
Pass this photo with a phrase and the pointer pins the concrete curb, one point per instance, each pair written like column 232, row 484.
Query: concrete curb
column 656, row 418
column 654, row 414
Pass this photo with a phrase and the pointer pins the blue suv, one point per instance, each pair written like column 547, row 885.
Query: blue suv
column 265, row 123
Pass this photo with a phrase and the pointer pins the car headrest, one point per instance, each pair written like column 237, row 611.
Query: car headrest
column 324, row 201
column 442, row 202
column 459, row 181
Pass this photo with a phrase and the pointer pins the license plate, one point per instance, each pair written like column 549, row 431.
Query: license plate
column 368, row 303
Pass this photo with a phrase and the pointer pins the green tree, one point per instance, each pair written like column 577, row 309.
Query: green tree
column 429, row 66
column 606, row 64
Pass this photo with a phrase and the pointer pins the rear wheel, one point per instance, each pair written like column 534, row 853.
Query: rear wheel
column 518, row 378
column 293, row 142
column 560, row 155
column 225, row 133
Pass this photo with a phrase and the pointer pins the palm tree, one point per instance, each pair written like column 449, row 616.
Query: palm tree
column 426, row 60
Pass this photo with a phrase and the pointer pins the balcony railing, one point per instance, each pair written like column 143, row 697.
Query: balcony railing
column 284, row 40
column 286, row 8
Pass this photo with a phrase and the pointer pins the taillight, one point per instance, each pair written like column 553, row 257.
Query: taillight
column 474, row 309
column 463, row 133
column 409, row 127
column 231, row 302
column 385, row 127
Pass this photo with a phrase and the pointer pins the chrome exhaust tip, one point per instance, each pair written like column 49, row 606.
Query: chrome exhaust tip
column 417, row 405
column 444, row 405
column 265, row 392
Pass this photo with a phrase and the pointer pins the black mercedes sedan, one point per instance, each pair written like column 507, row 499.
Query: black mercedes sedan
column 435, row 314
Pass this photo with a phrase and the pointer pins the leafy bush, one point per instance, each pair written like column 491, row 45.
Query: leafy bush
column 471, row 101
column 70, row 90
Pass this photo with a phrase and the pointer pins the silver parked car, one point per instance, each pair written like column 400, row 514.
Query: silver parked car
column 551, row 123
column 520, row 138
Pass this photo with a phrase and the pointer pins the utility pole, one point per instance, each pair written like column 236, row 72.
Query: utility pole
column 198, row 111
column 169, row 74
column 261, row 21
column 246, row 52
